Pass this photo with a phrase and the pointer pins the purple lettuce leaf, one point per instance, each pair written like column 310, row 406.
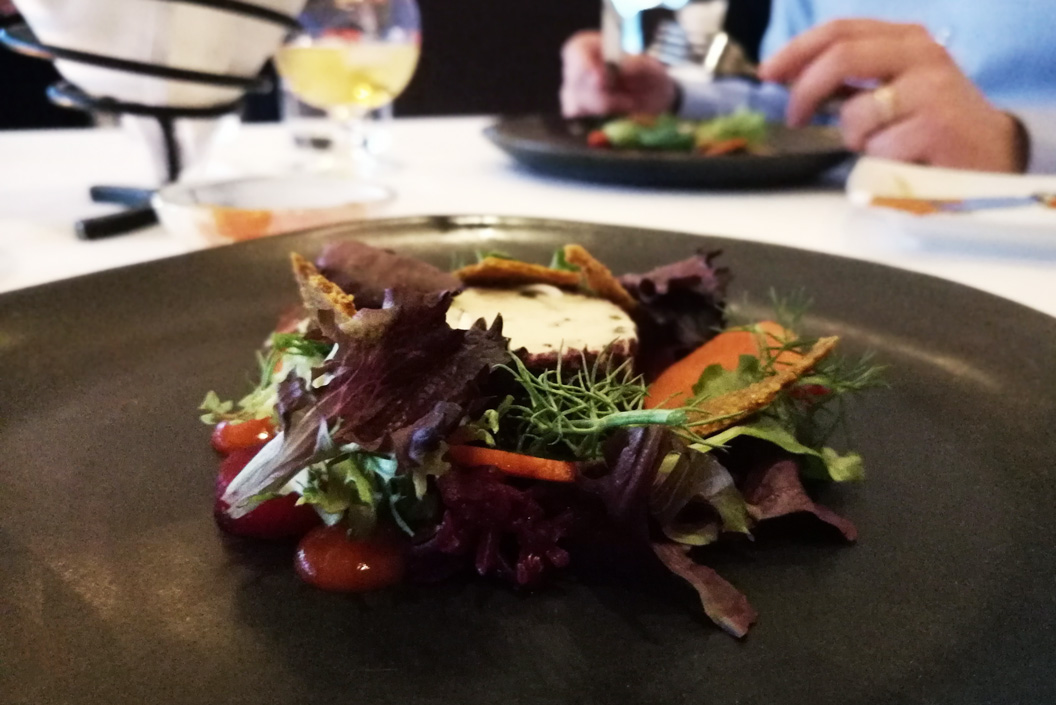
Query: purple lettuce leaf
column 399, row 383
column 279, row 460
column 775, row 490
column 416, row 443
column 695, row 498
column 682, row 307
column 368, row 272
column 294, row 395
column 623, row 483
column 400, row 362
column 723, row 603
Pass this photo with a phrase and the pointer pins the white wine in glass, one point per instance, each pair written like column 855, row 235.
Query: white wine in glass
column 354, row 76
column 351, row 57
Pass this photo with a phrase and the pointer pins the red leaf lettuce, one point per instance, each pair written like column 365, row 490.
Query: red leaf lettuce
column 398, row 383
column 682, row 307
column 368, row 272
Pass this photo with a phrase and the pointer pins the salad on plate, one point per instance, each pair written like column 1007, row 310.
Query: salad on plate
column 740, row 132
column 411, row 423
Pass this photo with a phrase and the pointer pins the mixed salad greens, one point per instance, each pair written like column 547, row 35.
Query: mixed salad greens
column 743, row 131
column 425, row 445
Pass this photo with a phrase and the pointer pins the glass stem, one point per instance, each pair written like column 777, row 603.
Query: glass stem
column 352, row 149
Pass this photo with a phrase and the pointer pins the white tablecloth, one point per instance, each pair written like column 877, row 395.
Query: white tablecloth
column 445, row 166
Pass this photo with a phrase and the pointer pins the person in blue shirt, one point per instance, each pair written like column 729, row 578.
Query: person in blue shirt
column 953, row 84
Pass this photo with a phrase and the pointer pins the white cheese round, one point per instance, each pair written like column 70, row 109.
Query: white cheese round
column 543, row 319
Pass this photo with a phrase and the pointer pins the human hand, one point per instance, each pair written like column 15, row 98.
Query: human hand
column 926, row 110
column 641, row 85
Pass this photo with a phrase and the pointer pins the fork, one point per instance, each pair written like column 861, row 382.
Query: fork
column 718, row 57
column 722, row 57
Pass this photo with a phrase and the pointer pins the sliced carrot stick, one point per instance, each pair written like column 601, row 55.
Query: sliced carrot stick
column 734, row 144
column 674, row 386
column 513, row 463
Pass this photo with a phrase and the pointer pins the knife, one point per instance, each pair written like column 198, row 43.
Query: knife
column 621, row 35
column 611, row 35
column 140, row 214
column 930, row 206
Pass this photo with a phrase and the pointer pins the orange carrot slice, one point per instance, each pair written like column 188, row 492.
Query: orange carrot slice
column 730, row 146
column 510, row 463
column 674, row 386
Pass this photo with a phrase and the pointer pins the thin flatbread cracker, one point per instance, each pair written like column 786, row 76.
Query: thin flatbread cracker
column 598, row 278
column 496, row 271
column 732, row 408
column 324, row 300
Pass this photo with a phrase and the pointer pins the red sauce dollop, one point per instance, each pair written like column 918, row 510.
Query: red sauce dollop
column 229, row 437
column 328, row 559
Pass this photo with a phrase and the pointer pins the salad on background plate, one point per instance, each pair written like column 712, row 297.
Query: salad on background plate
column 740, row 150
column 740, row 132
column 411, row 423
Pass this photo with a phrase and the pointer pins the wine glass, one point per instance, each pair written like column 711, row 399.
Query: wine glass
column 352, row 57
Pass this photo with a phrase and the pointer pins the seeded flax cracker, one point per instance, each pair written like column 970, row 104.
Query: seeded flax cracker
column 598, row 278
column 496, row 271
column 732, row 408
column 322, row 298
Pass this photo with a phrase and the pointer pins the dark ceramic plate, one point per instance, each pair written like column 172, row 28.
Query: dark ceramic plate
column 551, row 145
column 116, row 587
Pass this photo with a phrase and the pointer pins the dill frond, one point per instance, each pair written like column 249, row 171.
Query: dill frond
column 573, row 413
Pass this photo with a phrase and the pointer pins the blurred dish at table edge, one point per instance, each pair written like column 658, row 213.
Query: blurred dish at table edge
column 931, row 206
column 246, row 209
column 873, row 179
column 884, row 178
column 552, row 145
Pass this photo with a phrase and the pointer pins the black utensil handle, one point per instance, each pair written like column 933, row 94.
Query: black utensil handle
column 121, row 195
column 115, row 223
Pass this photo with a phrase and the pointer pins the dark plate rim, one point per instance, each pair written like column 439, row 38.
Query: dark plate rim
column 494, row 132
column 445, row 223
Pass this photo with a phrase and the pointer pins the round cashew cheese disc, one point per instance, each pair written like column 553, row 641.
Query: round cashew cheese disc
column 547, row 322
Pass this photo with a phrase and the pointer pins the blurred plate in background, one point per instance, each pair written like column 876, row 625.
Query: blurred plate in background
column 555, row 146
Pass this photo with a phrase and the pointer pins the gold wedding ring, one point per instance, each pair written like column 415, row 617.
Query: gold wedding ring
column 887, row 103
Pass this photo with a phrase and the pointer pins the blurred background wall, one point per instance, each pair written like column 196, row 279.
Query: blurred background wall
column 478, row 57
